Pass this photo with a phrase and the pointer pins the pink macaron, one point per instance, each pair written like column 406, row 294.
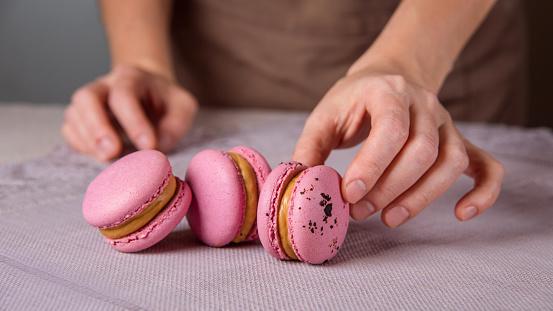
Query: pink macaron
column 226, row 188
column 136, row 201
column 301, row 213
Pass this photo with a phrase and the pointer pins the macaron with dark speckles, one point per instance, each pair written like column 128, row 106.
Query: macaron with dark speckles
column 301, row 213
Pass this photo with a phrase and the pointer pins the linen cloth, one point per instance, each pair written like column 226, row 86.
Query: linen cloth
column 51, row 259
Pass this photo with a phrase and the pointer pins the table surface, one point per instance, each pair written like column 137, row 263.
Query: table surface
column 50, row 258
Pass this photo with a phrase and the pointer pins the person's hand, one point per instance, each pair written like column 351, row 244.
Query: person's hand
column 127, row 104
column 412, row 154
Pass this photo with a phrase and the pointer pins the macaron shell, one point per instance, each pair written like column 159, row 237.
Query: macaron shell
column 269, row 201
column 159, row 227
column 219, row 201
column 125, row 188
column 318, row 216
column 261, row 169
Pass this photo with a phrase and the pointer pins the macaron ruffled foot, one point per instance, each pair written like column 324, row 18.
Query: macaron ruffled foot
column 136, row 201
column 226, row 188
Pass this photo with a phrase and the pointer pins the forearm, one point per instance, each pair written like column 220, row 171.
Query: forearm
column 424, row 38
column 138, row 34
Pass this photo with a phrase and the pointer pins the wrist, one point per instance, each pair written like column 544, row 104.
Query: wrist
column 423, row 38
column 149, row 65
column 411, row 67
column 138, row 35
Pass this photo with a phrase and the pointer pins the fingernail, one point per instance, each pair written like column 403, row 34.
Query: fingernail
column 469, row 212
column 396, row 216
column 104, row 149
column 165, row 142
column 362, row 210
column 143, row 142
column 355, row 191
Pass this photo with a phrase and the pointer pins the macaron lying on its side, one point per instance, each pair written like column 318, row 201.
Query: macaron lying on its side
column 226, row 187
column 301, row 213
column 136, row 201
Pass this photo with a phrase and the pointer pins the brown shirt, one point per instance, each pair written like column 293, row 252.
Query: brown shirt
column 288, row 53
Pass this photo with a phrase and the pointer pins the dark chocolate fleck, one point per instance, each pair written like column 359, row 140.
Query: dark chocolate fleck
column 328, row 210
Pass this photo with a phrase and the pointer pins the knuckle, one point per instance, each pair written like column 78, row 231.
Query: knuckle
column 122, row 99
column 397, row 128
column 372, row 169
column 497, row 167
column 426, row 149
column 188, row 100
column 458, row 157
column 125, row 69
column 70, row 113
column 501, row 168
column 432, row 104
column 386, row 194
column 424, row 199
column 66, row 131
column 82, row 95
column 430, row 98
column 116, row 96
column 399, row 83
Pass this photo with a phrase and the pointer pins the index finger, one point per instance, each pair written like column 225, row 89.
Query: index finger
column 124, row 101
column 87, row 114
column 316, row 141
column 181, row 108
column 389, row 132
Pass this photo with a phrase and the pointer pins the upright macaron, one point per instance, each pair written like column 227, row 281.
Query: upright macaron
column 301, row 213
column 226, row 188
column 136, row 201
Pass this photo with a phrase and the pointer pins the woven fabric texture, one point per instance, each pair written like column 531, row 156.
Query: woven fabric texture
column 50, row 258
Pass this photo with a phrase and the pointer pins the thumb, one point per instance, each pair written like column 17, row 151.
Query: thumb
column 181, row 108
column 316, row 141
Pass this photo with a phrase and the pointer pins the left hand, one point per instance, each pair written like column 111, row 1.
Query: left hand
column 412, row 154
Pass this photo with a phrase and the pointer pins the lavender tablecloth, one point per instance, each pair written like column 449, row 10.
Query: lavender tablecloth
column 50, row 258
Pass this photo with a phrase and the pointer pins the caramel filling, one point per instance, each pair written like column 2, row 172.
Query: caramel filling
column 283, row 219
column 145, row 216
column 250, row 184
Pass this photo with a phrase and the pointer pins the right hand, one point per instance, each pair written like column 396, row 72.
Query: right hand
column 151, row 111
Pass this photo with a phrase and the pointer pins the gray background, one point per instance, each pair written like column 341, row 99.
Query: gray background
column 50, row 48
